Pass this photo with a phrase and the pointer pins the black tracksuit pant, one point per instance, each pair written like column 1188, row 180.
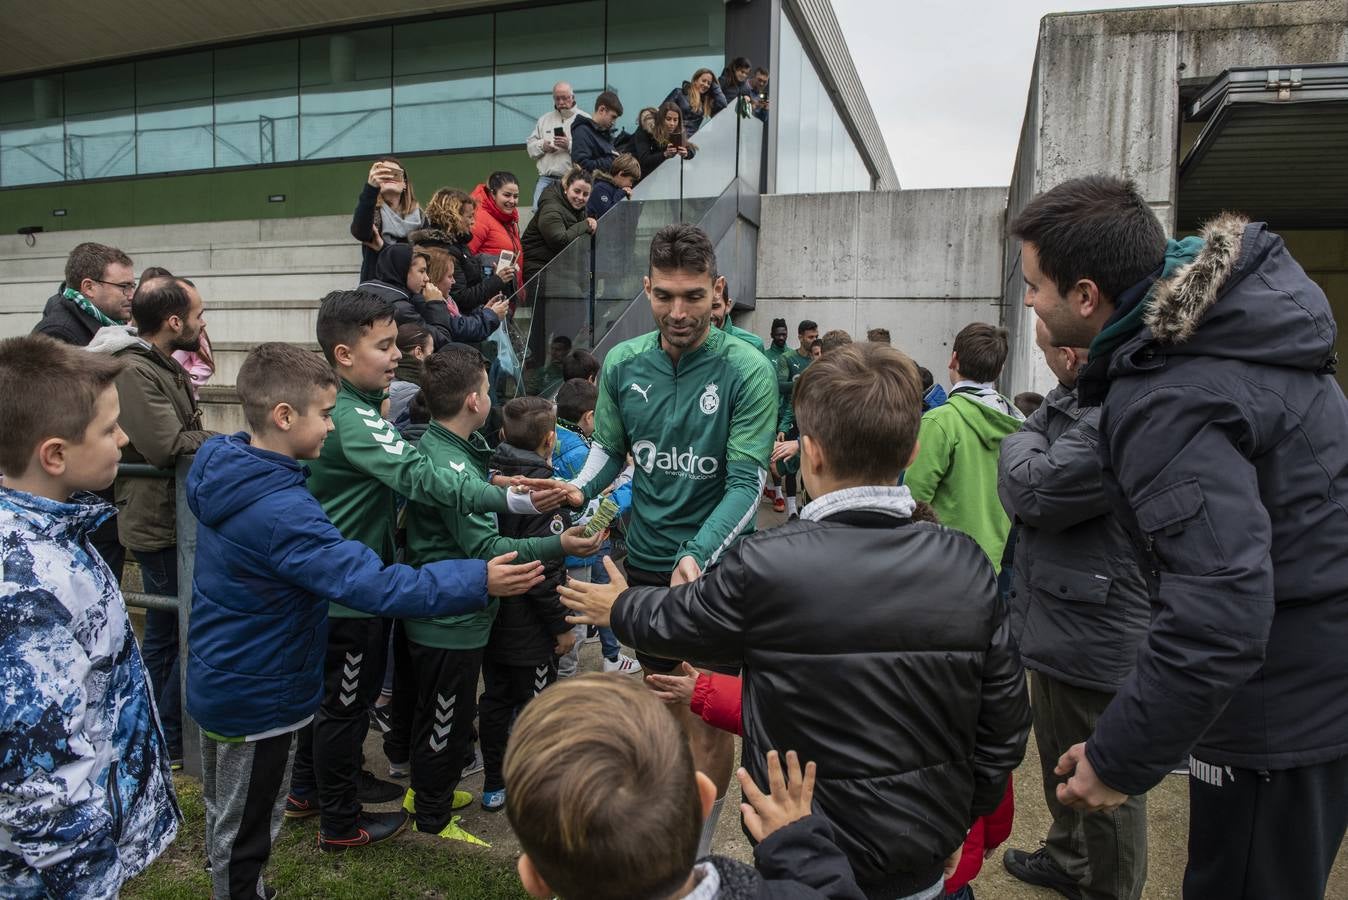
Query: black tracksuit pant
column 1256, row 835
column 506, row 690
column 442, row 727
column 353, row 673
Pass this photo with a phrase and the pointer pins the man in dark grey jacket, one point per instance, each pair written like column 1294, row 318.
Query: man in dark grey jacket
column 1079, row 607
column 1225, row 456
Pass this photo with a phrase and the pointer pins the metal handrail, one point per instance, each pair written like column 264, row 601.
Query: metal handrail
column 185, row 527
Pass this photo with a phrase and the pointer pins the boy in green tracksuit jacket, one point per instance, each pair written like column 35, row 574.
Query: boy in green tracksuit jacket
column 363, row 466
column 446, row 652
column 959, row 442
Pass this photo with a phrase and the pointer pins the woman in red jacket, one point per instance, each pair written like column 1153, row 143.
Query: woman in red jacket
column 716, row 698
column 497, row 225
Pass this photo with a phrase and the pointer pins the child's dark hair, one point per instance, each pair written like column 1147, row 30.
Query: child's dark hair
column 448, row 376
column 982, row 350
column 276, row 373
column 47, row 389
column 580, row 364
column 1028, row 402
column 599, row 778
column 927, row 379
column 871, row 436
column 343, row 316
column 575, row 398
column 528, row 421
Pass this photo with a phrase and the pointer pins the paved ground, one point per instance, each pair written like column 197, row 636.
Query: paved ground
column 1167, row 818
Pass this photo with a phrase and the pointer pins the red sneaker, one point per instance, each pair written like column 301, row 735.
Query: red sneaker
column 778, row 504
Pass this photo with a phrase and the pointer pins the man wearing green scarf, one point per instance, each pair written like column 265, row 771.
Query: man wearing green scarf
column 1223, row 453
column 97, row 292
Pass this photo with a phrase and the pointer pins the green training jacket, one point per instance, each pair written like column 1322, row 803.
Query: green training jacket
column 789, row 366
column 700, row 435
column 365, row 464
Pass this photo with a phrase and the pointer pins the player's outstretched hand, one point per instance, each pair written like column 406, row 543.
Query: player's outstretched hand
column 546, row 494
column 506, row 580
column 676, row 690
column 576, row 543
column 788, row 798
column 785, row 450
column 591, row 602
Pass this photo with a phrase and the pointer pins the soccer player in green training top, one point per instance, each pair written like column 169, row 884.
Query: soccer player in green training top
column 696, row 409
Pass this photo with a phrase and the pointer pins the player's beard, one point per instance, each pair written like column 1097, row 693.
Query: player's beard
column 696, row 330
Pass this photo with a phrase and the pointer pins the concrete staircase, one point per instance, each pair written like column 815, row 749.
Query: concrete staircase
column 261, row 281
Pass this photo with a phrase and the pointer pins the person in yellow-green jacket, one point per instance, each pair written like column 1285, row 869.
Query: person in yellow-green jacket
column 959, row 442
column 364, row 465
column 446, row 652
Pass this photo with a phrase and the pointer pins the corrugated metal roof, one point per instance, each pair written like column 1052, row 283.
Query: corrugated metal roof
column 1275, row 147
column 824, row 38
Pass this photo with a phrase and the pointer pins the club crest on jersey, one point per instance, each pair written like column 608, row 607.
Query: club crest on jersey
column 710, row 401
column 557, row 526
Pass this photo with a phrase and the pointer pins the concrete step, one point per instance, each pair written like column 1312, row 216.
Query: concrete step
column 266, row 320
column 148, row 237
column 216, row 286
column 195, row 261
column 229, row 357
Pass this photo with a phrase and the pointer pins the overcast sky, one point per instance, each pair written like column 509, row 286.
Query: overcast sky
column 948, row 81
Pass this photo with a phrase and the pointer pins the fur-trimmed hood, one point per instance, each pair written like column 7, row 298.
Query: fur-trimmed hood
column 1243, row 297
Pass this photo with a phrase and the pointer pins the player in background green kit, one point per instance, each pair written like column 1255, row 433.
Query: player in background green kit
column 696, row 408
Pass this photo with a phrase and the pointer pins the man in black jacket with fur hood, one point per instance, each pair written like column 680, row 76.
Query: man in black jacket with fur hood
column 1224, row 451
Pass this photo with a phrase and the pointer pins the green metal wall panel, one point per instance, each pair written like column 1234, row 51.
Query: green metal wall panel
column 314, row 189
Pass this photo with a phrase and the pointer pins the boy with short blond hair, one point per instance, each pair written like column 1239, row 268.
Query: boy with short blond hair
column 268, row 564
column 86, row 798
column 607, row 806
column 914, row 615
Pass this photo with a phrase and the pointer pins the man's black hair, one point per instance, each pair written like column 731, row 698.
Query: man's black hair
column 683, row 248
column 1098, row 228
column 156, row 300
column 806, row 325
column 343, row 316
column 778, row 323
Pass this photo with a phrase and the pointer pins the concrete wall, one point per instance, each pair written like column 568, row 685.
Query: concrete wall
column 921, row 263
column 1104, row 98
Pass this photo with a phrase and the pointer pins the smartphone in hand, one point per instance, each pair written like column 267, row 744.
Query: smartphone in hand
column 507, row 258
column 559, row 131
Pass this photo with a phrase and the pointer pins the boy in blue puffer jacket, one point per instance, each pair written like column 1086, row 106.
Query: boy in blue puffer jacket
column 614, row 186
column 268, row 564
column 575, row 423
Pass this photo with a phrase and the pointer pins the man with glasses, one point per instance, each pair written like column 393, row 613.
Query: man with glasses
column 549, row 144
column 97, row 292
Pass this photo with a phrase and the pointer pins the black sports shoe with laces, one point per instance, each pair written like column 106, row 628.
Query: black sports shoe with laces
column 371, row 828
column 1037, row 868
column 372, row 789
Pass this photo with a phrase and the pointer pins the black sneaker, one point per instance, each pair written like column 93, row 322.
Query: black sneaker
column 371, row 828
column 381, row 717
column 372, row 789
column 300, row 805
column 1037, row 868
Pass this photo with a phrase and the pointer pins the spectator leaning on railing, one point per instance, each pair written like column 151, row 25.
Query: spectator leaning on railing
column 699, row 99
column 160, row 416
column 662, row 138
column 549, row 144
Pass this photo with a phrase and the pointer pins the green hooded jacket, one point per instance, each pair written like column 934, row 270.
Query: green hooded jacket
column 365, row 464
column 956, row 469
column 437, row 532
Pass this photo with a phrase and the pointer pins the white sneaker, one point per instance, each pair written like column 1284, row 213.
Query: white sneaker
column 399, row 770
column 624, row 665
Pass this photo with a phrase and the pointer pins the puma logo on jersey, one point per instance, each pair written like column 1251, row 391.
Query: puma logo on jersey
column 643, row 391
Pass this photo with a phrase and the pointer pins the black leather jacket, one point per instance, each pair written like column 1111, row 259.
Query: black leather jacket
column 876, row 647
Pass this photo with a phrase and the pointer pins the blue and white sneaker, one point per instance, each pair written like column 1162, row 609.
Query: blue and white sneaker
column 493, row 801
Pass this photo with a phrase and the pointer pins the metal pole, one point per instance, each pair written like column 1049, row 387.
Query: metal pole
column 187, row 553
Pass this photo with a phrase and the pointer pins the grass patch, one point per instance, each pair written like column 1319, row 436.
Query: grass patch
column 410, row 865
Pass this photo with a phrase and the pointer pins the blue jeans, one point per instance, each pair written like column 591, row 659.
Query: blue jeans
column 159, row 646
column 544, row 182
column 608, row 641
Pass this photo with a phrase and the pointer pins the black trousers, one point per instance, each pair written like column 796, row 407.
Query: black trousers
column 1264, row 834
column 506, row 690
column 442, row 727
column 353, row 673
column 398, row 740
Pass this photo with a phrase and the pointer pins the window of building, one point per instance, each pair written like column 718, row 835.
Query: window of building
column 257, row 104
column 346, row 94
column 100, row 109
column 174, row 117
column 442, row 84
column 32, row 131
column 535, row 49
column 653, row 49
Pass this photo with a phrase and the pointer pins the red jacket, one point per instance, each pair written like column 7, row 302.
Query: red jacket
column 716, row 698
column 495, row 230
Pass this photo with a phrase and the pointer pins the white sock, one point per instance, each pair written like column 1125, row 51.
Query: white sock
column 777, row 492
column 790, row 506
column 709, row 828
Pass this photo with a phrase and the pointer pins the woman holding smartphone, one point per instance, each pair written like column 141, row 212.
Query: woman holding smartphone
column 497, row 224
column 386, row 212
column 663, row 138
column 451, row 215
column 699, row 99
